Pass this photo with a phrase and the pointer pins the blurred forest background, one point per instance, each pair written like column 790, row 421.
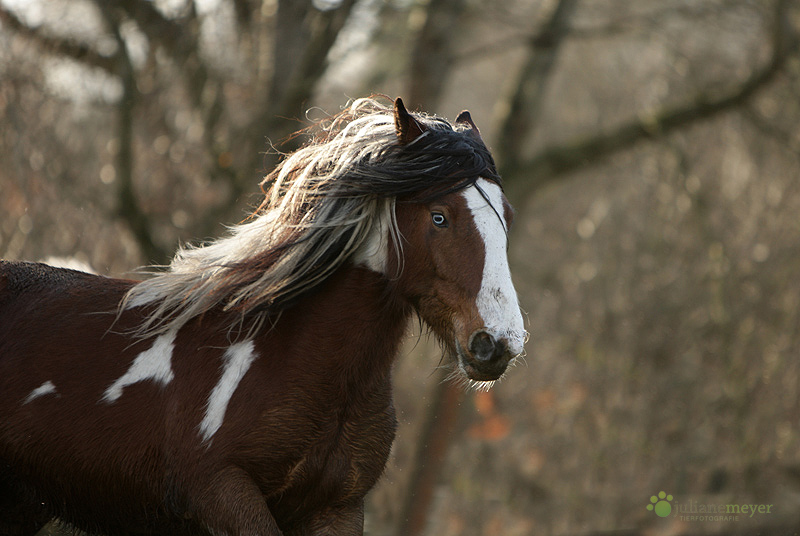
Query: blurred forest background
column 651, row 148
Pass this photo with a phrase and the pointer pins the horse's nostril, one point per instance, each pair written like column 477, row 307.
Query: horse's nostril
column 485, row 347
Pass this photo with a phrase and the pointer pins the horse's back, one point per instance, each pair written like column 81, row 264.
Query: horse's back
column 18, row 277
column 47, row 315
column 34, row 286
column 38, row 300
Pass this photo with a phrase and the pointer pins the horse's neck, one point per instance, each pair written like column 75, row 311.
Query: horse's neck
column 354, row 321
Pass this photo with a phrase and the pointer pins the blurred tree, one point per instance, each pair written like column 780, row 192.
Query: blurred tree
column 177, row 63
column 552, row 163
column 519, row 110
column 432, row 55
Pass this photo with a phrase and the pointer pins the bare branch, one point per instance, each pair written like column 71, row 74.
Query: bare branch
column 70, row 48
column 159, row 29
column 432, row 57
column 325, row 27
column 178, row 38
column 244, row 12
column 552, row 163
column 646, row 23
column 783, row 137
column 128, row 206
column 520, row 110
column 286, row 100
column 642, row 24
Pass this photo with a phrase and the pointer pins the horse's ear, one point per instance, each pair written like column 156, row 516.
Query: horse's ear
column 407, row 128
column 465, row 119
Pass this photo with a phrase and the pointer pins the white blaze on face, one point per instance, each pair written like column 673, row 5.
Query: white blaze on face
column 497, row 300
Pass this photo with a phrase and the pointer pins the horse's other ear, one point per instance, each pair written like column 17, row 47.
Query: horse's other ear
column 407, row 128
column 465, row 119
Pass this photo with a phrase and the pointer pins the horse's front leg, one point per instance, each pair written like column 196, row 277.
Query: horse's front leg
column 232, row 504
column 347, row 521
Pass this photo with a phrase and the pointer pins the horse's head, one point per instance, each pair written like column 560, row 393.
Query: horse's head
column 456, row 275
column 455, row 268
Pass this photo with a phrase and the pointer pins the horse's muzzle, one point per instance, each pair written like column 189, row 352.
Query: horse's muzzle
column 487, row 358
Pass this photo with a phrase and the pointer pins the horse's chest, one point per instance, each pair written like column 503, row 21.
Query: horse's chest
column 344, row 461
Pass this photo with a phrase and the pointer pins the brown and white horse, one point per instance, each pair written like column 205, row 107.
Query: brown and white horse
column 246, row 390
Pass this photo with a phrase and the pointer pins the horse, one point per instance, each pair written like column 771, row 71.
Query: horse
column 245, row 389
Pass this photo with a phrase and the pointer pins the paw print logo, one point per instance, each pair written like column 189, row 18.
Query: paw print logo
column 660, row 504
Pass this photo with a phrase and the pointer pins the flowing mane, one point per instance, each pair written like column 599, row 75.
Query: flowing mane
column 331, row 201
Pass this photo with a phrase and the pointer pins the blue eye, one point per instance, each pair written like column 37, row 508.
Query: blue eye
column 438, row 219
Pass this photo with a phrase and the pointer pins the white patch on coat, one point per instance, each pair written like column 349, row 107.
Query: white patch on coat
column 235, row 363
column 47, row 388
column 154, row 364
column 497, row 300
